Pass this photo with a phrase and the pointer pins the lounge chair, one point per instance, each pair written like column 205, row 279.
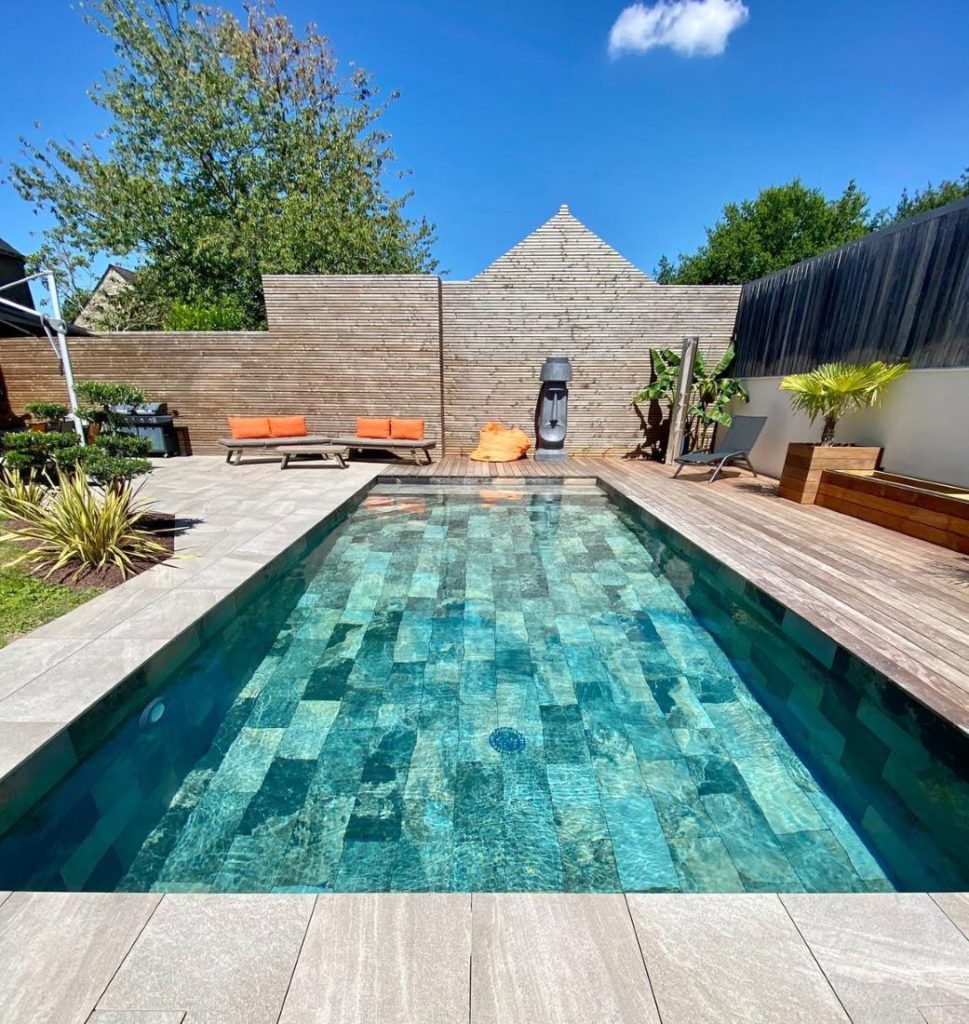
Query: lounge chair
column 740, row 437
column 266, row 434
column 388, row 434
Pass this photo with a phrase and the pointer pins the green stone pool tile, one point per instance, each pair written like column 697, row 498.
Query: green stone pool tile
column 246, row 762
column 585, row 663
column 574, row 629
column 563, row 735
column 740, row 734
column 588, row 590
column 315, row 845
column 478, row 802
column 614, row 762
column 609, row 573
column 688, row 721
column 477, row 581
column 921, row 862
column 359, row 709
column 478, row 865
column 782, row 802
column 422, row 865
column 413, row 638
column 206, row 838
column 647, row 731
column 319, row 624
column 479, row 630
column 341, row 760
column 77, row 870
column 479, row 681
column 533, row 859
column 424, row 583
column 365, row 866
column 863, row 861
column 251, row 864
column 647, row 590
column 820, row 862
column 942, row 799
column 308, row 728
column 552, row 679
column 639, row 845
column 273, row 810
column 328, row 682
column 654, row 660
column 377, row 813
column 756, row 852
column 704, row 864
column 344, row 642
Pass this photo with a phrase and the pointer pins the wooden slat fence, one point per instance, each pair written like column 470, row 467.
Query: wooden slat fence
column 899, row 294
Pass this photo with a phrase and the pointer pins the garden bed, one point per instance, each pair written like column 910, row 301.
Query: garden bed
column 931, row 511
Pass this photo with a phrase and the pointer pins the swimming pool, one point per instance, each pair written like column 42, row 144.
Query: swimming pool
column 519, row 689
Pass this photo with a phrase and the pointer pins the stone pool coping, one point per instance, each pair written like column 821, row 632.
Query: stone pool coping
column 65, row 685
column 484, row 958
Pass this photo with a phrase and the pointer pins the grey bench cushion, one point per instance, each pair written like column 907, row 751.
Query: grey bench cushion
column 379, row 442
column 271, row 442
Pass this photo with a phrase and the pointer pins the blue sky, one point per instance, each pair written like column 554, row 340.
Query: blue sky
column 509, row 109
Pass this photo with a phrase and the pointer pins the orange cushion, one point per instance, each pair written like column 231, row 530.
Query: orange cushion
column 367, row 427
column 287, row 426
column 247, row 428
column 407, row 430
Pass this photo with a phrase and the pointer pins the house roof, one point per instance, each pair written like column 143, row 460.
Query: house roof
column 562, row 243
column 6, row 249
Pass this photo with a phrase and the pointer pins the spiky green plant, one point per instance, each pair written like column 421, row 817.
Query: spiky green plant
column 83, row 526
column 834, row 389
column 20, row 493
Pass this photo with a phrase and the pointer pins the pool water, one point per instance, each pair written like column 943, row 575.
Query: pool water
column 518, row 689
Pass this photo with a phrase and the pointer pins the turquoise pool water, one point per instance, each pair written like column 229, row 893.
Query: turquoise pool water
column 505, row 690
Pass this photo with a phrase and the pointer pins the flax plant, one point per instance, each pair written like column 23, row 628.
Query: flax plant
column 80, row 525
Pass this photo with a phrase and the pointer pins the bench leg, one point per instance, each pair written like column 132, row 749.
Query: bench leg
column 339, row 458
column 228, row 457
column 427, row 457
column 284, row 463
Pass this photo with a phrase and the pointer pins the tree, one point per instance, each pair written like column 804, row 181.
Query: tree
column 783, row 225
column 235, row 148
column 932, row 196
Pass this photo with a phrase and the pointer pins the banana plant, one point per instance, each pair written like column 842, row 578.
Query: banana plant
column 712, row 391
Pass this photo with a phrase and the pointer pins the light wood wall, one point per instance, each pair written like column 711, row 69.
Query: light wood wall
column 457, row 354
column 563, row 291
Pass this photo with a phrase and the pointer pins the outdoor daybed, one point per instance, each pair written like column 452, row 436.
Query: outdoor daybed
column 388, row 434
column 265, row 434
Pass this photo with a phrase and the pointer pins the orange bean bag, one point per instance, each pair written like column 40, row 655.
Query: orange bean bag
column 500, row 444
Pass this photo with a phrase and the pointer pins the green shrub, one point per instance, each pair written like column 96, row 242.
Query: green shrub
column 112, row 460
column 226, row 315
column 79, row 525
column 20, row 492
column 99, row 398
column 47, row 412
column 36, row 454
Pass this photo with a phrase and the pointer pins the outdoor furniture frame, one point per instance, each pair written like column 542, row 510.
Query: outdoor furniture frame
column 387, row 444
column 740, row 437
column 265, row 445
column 325, row 451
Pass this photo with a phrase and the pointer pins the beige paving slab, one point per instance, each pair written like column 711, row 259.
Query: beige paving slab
column 28, row 656
column 136, row 1017
column 944, row 1014
column 396, row 958
column 886, row 954
column 58, row 951
column 556, row 959
column 955, row 906
column 727, row 959
column 219, row 958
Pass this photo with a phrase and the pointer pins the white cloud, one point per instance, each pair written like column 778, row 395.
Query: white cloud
column 690, row 27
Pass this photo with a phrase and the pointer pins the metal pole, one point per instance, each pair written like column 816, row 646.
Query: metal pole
column 58, row 324
column 681, row 399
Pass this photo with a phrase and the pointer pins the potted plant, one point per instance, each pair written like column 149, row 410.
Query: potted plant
column 47, row 415
column 829, row 392
column 106, row 404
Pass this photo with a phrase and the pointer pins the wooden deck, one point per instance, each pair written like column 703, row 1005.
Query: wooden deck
column 900, row 604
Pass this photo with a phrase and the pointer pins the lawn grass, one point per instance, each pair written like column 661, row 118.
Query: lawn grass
column 26, row 602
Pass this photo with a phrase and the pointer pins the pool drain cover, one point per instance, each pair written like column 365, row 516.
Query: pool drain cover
column 507, row 741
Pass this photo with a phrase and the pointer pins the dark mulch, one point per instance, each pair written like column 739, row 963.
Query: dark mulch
column 164, row 527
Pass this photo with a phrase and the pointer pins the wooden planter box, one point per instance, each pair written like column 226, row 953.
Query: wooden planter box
column 935, row 512
column 806, row 462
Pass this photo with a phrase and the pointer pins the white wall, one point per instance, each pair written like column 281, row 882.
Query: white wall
column 923, row 425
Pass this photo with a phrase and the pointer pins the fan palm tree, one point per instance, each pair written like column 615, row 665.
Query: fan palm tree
column 833, row 389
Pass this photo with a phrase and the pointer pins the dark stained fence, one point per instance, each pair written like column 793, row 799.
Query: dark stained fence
column 898, row 294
